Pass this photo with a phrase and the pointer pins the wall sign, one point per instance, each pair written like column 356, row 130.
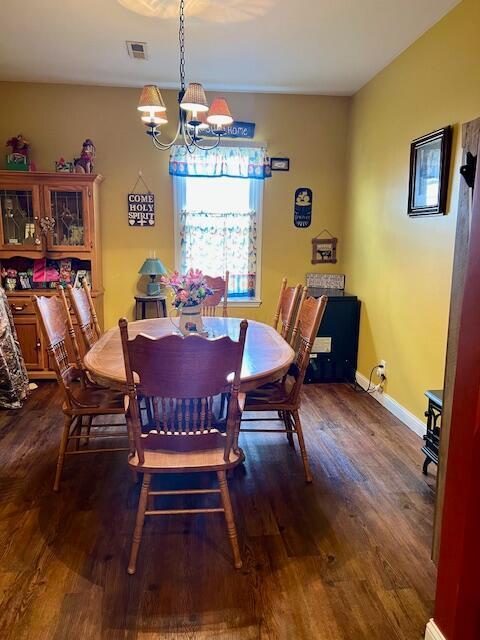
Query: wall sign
column 324, row 250
column 235, row 130
column 141, row 209
column 141, row 206
column 302, row 216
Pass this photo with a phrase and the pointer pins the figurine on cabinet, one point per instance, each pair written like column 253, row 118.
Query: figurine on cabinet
column 17, row 155
column 84, row 164
column 62, row 166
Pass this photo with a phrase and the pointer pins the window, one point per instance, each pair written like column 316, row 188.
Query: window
column 218, row 228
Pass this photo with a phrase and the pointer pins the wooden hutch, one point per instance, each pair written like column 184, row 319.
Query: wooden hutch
column 49, row 222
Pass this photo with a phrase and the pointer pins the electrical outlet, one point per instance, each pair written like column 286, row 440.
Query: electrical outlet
column 382, row 369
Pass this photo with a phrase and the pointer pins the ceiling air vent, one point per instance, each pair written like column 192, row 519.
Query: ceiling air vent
column 137, row 50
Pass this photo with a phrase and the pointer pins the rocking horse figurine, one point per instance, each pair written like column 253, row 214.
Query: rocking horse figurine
column 84, row 164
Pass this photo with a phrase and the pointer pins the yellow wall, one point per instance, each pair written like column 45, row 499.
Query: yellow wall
column 401, row 267
column 311, row 130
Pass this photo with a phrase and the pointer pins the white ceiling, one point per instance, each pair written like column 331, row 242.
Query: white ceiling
column 299, row 46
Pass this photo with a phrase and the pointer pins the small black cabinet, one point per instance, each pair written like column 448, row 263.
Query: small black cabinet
column 334, row 355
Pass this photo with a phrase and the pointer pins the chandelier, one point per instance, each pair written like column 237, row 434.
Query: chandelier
column 194, row 114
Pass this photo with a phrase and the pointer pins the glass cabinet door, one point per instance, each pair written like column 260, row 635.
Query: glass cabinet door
column 20, row 219
column 66, row 218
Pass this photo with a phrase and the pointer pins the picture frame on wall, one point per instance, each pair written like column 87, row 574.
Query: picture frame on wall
column 280, row 164
column 429, row 173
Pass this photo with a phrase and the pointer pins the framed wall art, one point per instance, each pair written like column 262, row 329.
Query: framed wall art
column 429, row 173
column 280, row 164
column 324, row 250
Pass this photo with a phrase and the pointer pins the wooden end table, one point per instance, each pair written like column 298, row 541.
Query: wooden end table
column 141, row 303
column 432, row 437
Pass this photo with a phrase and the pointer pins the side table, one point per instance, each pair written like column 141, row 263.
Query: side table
column 432, row 437
column 141, row 302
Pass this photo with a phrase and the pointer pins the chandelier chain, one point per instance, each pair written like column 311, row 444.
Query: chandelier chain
column 181, row 40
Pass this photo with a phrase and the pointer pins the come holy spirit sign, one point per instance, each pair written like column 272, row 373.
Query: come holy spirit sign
column 141, row 206
column 141, row 209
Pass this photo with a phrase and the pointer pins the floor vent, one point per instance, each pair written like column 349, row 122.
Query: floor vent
column 137, row 50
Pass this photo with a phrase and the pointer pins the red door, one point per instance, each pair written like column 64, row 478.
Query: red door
column 457, row 603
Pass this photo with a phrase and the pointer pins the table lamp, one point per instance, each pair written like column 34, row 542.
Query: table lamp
column 153, row 267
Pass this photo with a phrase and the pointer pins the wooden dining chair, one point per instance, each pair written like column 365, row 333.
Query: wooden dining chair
column 219, row 287
column 84, row 310
column 181, row 376
column 82, row 398
column 287, row 309
column 284, row 396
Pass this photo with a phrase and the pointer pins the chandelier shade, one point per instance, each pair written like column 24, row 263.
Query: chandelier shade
column 194, row 99
column 219, row 114
column 151, row 99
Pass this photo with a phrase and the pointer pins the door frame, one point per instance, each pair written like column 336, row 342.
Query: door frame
column 457, row 601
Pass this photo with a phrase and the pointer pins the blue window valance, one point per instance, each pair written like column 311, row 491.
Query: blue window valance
column 231, row 162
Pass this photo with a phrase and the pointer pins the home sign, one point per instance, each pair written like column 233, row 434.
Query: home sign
column 141, row 209
column 235, row 130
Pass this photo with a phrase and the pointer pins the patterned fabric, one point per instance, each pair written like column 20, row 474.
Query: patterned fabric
column 13, row 374
column 232, row 162
column 215, row 242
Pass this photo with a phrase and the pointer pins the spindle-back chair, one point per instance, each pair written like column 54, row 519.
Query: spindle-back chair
column 286, row 310
column 284, row 396
column 84, row 310
column 181, row 376
column 81, row 397
column 219, row 287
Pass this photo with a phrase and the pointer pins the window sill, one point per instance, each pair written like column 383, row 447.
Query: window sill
column 245, row 304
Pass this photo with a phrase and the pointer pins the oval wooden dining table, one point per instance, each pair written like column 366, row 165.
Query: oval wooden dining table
column 266, row 358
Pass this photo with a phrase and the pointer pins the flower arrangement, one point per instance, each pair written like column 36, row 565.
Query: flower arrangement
column 189, row 290
column 9, row 273
column 10, row 277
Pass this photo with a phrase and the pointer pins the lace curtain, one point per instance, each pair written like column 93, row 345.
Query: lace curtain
column 216, row 242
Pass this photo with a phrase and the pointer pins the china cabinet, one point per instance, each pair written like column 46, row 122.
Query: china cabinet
column 49, row 233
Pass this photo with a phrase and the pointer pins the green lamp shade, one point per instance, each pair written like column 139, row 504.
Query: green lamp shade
column 153, row 267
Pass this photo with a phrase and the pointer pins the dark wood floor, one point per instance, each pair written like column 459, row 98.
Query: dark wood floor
column 345, row 558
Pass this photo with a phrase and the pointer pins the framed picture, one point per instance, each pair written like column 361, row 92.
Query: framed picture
column 429, row 173
column 24, row 280
column 280, row 164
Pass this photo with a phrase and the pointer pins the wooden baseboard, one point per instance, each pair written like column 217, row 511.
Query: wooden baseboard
column 432, row 632
column 399, row 411
column 41, row 375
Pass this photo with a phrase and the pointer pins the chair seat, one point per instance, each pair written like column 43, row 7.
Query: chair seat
column 173, row 461
column 273, row 393
column 97, row 400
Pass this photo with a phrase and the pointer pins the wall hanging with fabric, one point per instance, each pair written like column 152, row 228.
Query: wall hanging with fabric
column 324, row 250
